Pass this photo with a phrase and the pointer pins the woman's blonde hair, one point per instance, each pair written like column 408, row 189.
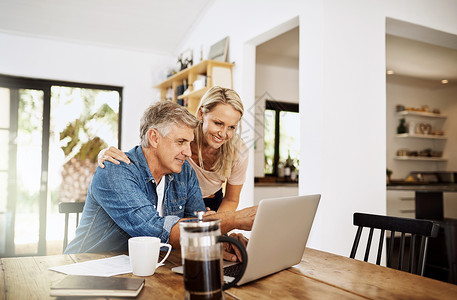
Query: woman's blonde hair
column 228, row 152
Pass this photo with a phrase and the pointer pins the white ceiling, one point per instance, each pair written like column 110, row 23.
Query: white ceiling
column 145, row 25
column 407, row 57
column 417, row 59
column 161, row 27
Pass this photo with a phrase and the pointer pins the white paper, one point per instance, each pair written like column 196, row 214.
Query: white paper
column 99, row 267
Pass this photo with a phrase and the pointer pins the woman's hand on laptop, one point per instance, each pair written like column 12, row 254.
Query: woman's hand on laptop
column 244, row 219
column 230, row 252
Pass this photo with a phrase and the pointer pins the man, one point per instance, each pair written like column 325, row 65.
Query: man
column 149, row 196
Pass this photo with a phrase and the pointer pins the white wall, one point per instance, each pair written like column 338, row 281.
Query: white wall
column 267, row 192
column 51, row 59
column 342, row 93
column 281, row 83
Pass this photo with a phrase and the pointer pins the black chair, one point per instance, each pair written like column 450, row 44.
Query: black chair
column 414, row 228
column 68, row 208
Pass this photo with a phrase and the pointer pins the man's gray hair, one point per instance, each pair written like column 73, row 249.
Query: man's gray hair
column 162, row 116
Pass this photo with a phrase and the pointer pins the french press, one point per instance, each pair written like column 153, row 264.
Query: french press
column 201, row 252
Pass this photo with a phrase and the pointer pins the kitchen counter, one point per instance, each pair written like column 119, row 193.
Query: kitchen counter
column 423, row 187
column 428, row 197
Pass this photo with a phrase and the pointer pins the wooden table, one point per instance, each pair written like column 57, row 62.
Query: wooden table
column 320, row 275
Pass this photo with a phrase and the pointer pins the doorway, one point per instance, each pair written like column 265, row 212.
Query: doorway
column 276, row 108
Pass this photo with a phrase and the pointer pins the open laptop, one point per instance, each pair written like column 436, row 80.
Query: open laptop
column 279, row 235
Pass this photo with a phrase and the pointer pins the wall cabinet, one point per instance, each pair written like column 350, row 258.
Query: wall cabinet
column 198, row 79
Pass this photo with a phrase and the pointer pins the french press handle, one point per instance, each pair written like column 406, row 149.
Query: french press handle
column 244, row 259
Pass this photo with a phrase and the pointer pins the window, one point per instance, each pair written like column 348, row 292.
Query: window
column 281, row 136
column 48, row 129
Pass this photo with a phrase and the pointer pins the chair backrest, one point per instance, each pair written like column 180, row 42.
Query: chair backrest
column 67, row 208
column 414, row 228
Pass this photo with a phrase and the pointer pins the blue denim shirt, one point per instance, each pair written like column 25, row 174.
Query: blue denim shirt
column 122, row 200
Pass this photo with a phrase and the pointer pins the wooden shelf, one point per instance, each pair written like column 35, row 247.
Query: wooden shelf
column 422, row 136
column 420, row 158
column 216, row 72
column 196, row 94
column 421, row 114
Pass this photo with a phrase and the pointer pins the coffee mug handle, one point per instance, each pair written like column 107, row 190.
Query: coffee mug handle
column 168, row 253
column 244, row 259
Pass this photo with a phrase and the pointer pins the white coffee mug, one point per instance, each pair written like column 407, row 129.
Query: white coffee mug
column 144, row 254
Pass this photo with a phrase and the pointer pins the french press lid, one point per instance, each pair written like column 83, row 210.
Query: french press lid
column 199, row 232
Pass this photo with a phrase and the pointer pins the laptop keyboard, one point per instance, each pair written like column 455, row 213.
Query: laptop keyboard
column 232, row 270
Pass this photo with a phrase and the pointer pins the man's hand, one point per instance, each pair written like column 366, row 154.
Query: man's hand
column 209, row 212
column 230, row 252
column 113, row 155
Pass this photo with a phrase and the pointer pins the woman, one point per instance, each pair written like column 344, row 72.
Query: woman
column 219, row 154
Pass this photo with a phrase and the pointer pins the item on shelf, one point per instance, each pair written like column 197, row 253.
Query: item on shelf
column 425, row 128
column 185, row 59
column 400, row 107
column 436, row 111
column 425, row 153
column 436, row 154
column 169, row 95
column 424, row 108
column 438, row 132
column 411, row 127
column 402, row 126
column 412, row 153
column 180, row 90
column 402, row 152
column 200, row 82
column 171, row 72
column 219, row 50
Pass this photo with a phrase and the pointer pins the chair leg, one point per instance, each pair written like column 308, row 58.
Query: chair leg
column 65, row 234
